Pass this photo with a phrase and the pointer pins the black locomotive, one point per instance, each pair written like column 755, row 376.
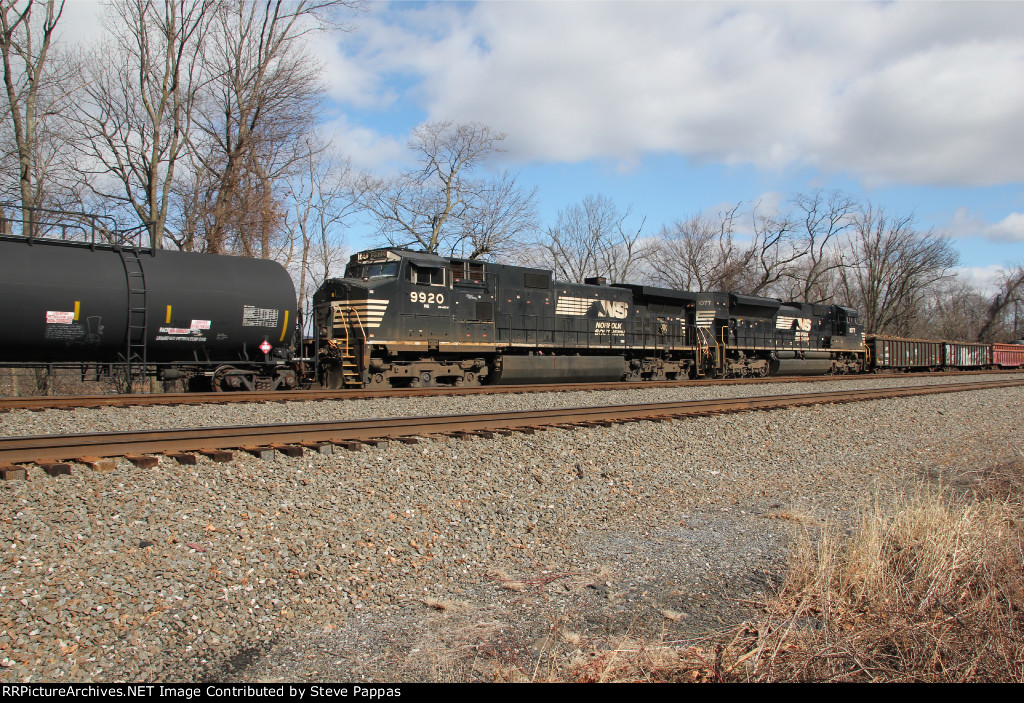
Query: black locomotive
column 400, row 317
column 96, row 301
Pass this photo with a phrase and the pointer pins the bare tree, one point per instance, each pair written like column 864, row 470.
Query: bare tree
column 1010, row 294
column 142, row 93
column 771, row 254
column 262, row 100
column 37, row 90
column 501, row 219
column 889, row 267
column 442, row 204
column 700, row 253
column 321, row 199
column 592, row 239
column 951, row 309
column 821, row 221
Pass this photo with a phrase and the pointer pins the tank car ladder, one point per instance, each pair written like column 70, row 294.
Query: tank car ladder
column 135, row 352
column 351, row 375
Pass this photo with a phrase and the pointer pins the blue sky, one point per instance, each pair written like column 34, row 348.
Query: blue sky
column 679, row 107
column 674, row 108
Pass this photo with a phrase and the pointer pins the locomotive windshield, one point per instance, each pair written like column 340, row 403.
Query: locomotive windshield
column 384, row 270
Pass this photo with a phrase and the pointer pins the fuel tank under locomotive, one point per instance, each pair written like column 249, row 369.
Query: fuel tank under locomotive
column 68, row 302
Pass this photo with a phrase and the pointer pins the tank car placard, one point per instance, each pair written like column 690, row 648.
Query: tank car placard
column 253, row 316
column 59, row 317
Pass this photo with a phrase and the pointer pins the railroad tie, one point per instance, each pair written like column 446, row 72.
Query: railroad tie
column 98, row 464
column 54, row 468
column 10, row 472
column 143, row 461
column 325, row 448
column 349, row 445
column 221, row 456
column 262, row 453
column 185, row 458
column 290, row 450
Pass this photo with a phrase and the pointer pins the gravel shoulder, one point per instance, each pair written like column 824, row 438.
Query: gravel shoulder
column 450, row 559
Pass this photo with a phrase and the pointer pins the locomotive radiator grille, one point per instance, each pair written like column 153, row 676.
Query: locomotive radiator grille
column 370, row 311
column 705, row 318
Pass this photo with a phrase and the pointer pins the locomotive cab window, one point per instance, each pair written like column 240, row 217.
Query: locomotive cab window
column 387, row 270
column 426, row 275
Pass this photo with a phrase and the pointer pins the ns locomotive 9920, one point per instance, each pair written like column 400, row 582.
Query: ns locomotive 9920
column 400, row 317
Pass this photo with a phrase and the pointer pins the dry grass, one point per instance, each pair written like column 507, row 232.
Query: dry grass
column 444, row 604
column 928, row 589
column 932, row 591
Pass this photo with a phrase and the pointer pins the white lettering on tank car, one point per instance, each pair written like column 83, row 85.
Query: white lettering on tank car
column 169, row 338
column 200, row 324
column 57, row 317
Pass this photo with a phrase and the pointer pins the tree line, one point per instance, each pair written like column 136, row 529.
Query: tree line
column 196, row 121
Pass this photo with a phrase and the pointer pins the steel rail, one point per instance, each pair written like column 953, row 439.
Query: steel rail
column 41, row 448
column 131, row 400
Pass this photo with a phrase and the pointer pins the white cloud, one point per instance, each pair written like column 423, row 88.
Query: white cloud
column 366, row 148
column 983, row 278
column 1010, row 228
column 924, row 93
column 965, row 224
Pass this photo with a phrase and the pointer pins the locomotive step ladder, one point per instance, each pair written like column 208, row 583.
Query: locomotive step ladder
column 704, row 339
column 353, row 342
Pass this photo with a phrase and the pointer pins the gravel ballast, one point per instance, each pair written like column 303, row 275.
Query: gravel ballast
column 113, row 419
column 449, row 559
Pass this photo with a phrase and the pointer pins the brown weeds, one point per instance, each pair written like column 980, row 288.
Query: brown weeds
column 931, row 591
column 930, row 588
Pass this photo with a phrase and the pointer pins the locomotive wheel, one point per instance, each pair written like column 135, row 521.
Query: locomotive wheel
column 333, row 379
column 419, row 381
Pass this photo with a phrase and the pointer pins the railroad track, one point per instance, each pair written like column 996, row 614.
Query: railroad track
column 51, row 451
column 96, row 401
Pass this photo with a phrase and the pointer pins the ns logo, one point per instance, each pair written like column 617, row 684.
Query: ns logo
column 616, row 309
